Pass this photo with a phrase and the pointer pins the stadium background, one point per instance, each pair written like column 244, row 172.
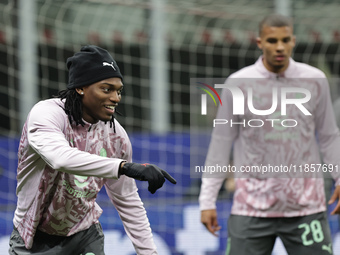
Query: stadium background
column 159, row 45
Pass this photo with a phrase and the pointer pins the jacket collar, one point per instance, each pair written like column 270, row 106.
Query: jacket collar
column 89, row 126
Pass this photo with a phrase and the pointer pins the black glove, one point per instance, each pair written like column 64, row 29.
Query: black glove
column 146, row 172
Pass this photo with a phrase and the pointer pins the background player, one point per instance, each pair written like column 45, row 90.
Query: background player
column 265, row 208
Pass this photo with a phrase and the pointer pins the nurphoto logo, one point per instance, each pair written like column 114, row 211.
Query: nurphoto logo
column 204, row 97
column 240, row 103
column 238, row 100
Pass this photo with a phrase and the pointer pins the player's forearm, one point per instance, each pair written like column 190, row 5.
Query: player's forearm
column 209, row 192
column 60, row 156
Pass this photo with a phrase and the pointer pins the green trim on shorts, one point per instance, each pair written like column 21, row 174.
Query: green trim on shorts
column 228, row 246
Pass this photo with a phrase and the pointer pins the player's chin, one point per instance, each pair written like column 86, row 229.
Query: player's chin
column 106, row 117
column 278, row 65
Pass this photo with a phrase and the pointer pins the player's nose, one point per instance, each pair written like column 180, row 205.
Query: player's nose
column 115, row 96
column 280, row 46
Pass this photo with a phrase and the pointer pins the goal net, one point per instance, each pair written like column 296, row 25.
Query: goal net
column 201, row 39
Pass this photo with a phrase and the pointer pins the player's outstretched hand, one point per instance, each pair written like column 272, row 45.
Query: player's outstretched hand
column 147, row 172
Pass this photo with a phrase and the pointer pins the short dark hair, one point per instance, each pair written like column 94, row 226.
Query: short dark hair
column 275, row 20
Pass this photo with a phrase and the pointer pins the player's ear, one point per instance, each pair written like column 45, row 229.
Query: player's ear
column 259, row 42
column 80, row 91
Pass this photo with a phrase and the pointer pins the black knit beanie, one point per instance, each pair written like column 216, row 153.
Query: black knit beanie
column 90, row 65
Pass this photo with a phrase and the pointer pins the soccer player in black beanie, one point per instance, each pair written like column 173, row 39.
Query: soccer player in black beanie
column 68, row 151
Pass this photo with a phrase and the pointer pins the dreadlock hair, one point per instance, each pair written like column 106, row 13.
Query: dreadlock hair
column 74, row 107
